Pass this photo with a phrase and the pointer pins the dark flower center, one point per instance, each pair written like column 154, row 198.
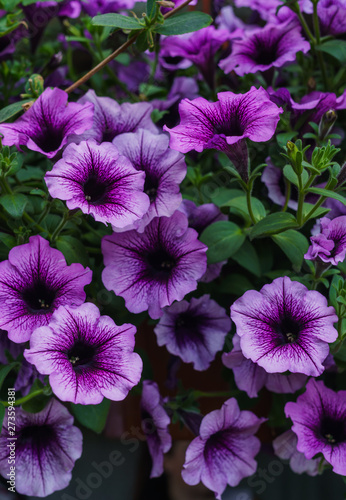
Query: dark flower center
column 333, row 430
column 173, row 60
column 94, row 190
column 81, row 354
column 39, row 297
column 216, row 444
column 108, row 135
column 37, row 436
column 49, row 139
column 150, row 187
column 161, row 261
column 232, row 127
column 186, row 329
column 265, row 54
column 289, row 328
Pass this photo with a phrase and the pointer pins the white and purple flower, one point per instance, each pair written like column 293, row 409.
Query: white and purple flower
column 330, row 245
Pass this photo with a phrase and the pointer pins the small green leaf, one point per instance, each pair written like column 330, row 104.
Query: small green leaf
column 5, row 370
column 294, row 245
column 14, row 204
column 284, row 137
column 223, row 196
column 291, row 176
column 72, row 249
column 328, row 194
column 240, row 204
column 93, row 417
column 319, row 212
column 142, row 43
column 273, row 224
column 223, row 239
column 117, row 21
column 12, row 110
column 151, row 7
column 8, row 240
column 247, row 257
column 235, row 284
column 185, row 23
column 156, row 115
column 37, row 403
column 336, row 48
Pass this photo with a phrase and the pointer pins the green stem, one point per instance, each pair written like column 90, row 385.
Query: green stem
column 216, row 394
column 20, row 401
column 305, row 26
column 288, row 195
column 249, row 206
column 318, row 41
column 301, row 197
column 60, row 227
column 28, row 218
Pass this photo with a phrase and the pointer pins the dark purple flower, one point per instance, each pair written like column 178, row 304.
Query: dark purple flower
column 224, row 451
column 182, row 87
column 224, row 123
column 155, row 422
column 332, row 16
column 169, row 62
column 273, row 178
column 199, row 218
column 267, row 9
column 87, row 356
column 199, row 47
column 94, row 7
column 13, row 348
column 99, row 181
column 319, row 421
column 46, row 448
column 285, row 327
column 26, row 376
column 151, row 270
column 265, row 48
column 194, row 331
column 164, row 170
column 250, row 377
column 47, row 125
column 330, row 244
column 112, row 119
column 35, row 281
column 285, row 447
column 227, row 20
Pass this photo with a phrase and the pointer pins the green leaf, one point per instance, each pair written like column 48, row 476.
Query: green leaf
column 336, row 48
column 247, row 257
column 240, row 204
column 319, row 212
column 284, row 137
column 185, row 23
column 14, row 204
column 291, row 176
column 294, row 245
column 142, row 42
column 12, row 110
column 235, row 284
column 273, row 224
column 117, row 21
column 37, row 403
column 223, row 196
column 93, row 417
column 223, row 239
column 8, row 240
column 151, row 7
column 72, row 249
column 5, row 370
column 2, row 415
column 328, row 194
column 156, row 115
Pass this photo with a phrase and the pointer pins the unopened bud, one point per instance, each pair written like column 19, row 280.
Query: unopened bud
column 326, row 123
column 166, row 4
column 27, row 105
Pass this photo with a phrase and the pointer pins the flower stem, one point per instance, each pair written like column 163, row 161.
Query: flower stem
column 20, row 401
column 304, row 25
column 288, row 195
column 119, row 50
column 249, row 206
column 318, row 41
column 60, row 227
column 216, row 394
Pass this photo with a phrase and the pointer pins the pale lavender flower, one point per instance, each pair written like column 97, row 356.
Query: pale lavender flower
column 330, row 245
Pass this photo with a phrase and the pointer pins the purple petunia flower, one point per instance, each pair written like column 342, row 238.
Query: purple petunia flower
column 194, row 331
column 250, row 377
column 265, row 48
column 332, row 16
column 155, row 422
column 94, row 7
column 199, row 48
column 224, row 451
column 35, row 281
column 46, row 448
column 224, row 124
column 87, row 356
column 273, row 178
column 112, row 119
column 164, row 170
column 285, row 327
column 99, row 181
column 151, row 270
column 319, row 421
column 182, row 87
column 199, row 218
column 26, row 376
column 285, row 447
column 47, row 125
column 330, row 244
column 13, row 348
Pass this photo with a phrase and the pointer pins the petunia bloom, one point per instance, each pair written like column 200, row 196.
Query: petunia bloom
column 274, row 180
column 87, row 356
column 330, row 244
column 195, row 331
column 48, row 124
column 285, row 447
column 155, row 422
column 332, row 16
column 164, row 169
column 112, row 119
column 265, row 48
column 285, row 327
column 94, row 7
column 319, row 421
column 151, row 270
column 35, row 281
column 250, row 377
column 200, row 217
column 99, row 181
column 225, row 124
column 223, row 453
column 46, row 449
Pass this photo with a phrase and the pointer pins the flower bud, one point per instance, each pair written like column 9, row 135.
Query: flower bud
column 326, row 123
